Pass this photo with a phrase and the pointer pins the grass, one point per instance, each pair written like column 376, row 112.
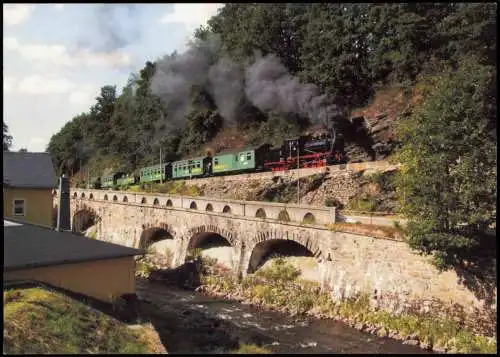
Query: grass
column 278, row 287
column 250, row 349
column 40, row 321
column 92, row 235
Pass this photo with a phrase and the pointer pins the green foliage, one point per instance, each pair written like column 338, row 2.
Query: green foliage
column 194, row 254
column 274, row 129
column 280, row 271
column 333, row 202
column 447, row 185
column 7, row 138
column 250, row 349
column 202, row 125
column 363, row 203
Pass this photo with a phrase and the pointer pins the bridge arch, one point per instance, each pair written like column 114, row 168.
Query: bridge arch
column 169, row 203
column 283, row 216
column 82, row 195
column 151, row 235
column 226, row 209
column 156, row 202
column 212, row 236
column 115, row 198
column 83, row 219
column 309, row 218
column 105, row 197
column 75, row 195
column 210, row 228
column 193, row 205
column 271, row 244
column 125, row 199
column 143, row 200
column 260, row 213
column 91, row 196
column 209, row 207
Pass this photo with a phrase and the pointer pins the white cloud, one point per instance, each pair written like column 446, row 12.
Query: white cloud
column 9, row 83
column 193, row 15
column 37, row 140
column 38, row 85
column 15, row 14
column 84, row 96
column 48, row 84
column 59, row 6
column 59, row 55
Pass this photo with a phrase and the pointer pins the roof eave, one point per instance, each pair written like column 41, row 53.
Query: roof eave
column 73, row 261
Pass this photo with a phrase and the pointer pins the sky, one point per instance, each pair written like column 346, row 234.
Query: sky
column 56, row 57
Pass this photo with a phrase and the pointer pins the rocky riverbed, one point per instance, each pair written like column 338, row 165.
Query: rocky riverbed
column 190, row 322
column 277, row 288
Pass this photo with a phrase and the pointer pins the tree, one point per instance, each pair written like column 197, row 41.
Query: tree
column 447, row 184
column 334, row 52
column 7, row 139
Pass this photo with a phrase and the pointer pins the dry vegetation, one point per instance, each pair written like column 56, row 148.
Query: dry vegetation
column 371, row 230
column 40, row 321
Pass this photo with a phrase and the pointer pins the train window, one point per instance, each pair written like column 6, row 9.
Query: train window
column 198, row 165
column 249, row 156
column 242, row 157
column 216, row 162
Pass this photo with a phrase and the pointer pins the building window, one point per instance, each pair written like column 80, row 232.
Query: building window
column 19, row 209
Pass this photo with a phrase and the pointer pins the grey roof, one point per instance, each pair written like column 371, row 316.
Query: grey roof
column 28, row 169
column 27, row 246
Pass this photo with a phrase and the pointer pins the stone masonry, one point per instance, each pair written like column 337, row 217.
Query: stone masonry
column 348, row 263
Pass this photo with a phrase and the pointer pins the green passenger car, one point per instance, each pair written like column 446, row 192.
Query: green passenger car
column 250, row 159
column 109, row 181
column 95, row 182
column 127, row 179
column 156, row 173
column 195, row 167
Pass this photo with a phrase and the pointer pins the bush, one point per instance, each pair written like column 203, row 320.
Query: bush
column 364, row 204
column 333, row 202
column 280, row 271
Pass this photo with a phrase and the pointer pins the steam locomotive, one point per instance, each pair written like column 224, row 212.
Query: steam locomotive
column 304, row 151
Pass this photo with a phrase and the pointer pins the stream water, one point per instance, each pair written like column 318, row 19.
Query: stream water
column 189, row 322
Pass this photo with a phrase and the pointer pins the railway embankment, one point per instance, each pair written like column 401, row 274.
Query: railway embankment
column 359, row 187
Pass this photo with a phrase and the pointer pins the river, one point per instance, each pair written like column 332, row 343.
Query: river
column 190, row 322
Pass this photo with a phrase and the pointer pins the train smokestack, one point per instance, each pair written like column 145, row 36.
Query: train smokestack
column 63, row 209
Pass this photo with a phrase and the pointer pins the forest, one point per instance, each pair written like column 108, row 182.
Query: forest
column 271, row 70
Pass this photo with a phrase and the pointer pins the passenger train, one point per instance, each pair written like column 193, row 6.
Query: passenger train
column 300, row 152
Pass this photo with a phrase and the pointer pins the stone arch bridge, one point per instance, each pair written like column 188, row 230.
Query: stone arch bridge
column 348, row 263
column 254, row 230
